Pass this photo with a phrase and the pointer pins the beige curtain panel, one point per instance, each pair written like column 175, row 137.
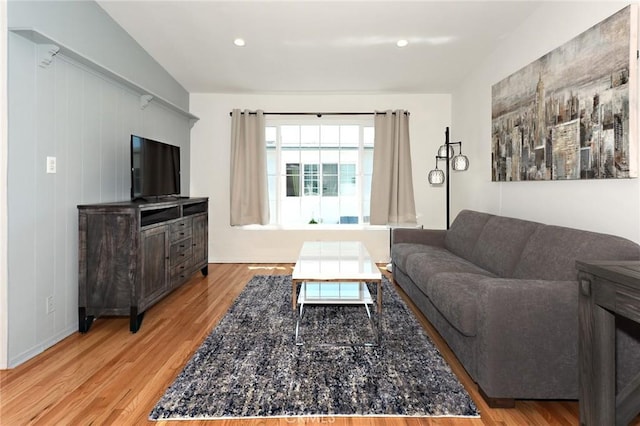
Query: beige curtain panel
column 392, row 200
column 249, row 191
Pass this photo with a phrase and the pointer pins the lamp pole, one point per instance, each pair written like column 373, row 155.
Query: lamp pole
column 446, row 142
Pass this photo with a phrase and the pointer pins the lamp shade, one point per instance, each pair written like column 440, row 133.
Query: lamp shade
column 460, row 162
column 442, row 151
column 436, row 177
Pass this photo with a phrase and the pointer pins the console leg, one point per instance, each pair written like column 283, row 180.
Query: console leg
column 135, row 319
column 205, row 270
column 84, row 321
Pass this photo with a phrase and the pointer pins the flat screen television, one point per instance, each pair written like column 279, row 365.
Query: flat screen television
column 155, row 169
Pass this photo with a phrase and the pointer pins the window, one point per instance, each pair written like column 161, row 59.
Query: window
column 319, row 169
column 293, row 180
column 311, row 179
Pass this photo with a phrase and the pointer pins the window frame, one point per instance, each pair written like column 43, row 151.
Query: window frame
column 363, row 122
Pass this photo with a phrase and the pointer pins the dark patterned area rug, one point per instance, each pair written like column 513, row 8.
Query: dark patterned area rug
column 249, row 366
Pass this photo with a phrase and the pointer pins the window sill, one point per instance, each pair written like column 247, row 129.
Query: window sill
column 315, row 227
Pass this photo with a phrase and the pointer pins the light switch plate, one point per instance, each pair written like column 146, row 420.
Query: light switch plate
column 51, row 164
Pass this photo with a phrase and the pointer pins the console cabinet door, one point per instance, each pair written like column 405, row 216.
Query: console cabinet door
column 105, row 258
column 154, row 253
column 199, row 238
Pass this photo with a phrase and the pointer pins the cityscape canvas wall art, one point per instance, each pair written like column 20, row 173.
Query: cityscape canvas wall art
column 572, row 113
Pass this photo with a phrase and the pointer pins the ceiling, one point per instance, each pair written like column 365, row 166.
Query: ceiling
column 318, row 46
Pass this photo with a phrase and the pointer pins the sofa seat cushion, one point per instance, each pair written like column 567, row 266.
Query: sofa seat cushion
column 400, row 252
column 455, row 296
column 422, row 266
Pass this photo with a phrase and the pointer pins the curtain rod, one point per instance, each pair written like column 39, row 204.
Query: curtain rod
column 317, row 114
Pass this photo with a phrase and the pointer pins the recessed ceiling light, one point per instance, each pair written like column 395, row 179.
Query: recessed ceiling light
column 239, row 42
column 402, row 43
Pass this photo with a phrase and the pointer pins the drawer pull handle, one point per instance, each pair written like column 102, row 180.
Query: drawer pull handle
column 181, row 245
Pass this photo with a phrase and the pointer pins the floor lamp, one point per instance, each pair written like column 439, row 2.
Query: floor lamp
column 456, row 162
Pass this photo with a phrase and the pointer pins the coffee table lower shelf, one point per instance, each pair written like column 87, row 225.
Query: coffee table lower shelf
column 339, row 293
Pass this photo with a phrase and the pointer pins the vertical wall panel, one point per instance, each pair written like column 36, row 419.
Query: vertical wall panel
column 72, row 154
column 129, row 123
column 60, row 232
column 122, row 158
column 91, row 143
column 61, row 198
column 108, row 136
column 20, row 196
column 45, row 254
column 4, row 137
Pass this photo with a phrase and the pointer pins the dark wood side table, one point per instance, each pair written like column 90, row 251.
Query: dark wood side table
column 607, row 288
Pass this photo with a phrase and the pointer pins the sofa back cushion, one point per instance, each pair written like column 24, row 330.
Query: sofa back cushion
column 501, row 243
column 552, row 251
column 463, row 234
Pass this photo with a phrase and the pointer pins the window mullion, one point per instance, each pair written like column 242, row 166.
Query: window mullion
column 360, row 174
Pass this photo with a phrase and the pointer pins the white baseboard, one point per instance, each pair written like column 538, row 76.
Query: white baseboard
column 41, row 347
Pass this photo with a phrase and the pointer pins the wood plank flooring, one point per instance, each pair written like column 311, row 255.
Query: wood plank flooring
column 110, row 376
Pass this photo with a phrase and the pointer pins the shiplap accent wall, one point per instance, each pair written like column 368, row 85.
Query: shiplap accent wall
column 84, row 119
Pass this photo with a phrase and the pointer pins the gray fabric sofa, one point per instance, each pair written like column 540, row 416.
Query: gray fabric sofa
column 503, row 293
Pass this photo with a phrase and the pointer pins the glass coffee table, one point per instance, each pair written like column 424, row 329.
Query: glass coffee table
column 335, row 273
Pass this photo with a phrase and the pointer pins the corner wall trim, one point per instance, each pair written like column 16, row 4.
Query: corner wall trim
column 40, row 38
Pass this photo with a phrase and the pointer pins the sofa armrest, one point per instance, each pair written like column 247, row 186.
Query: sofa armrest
column 430, row 237
column 528, row 338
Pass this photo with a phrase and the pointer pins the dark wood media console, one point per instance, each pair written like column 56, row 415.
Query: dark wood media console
column 607, row 289
column 133, row 253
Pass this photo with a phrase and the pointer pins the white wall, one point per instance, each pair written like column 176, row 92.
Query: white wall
column 610, row 206
column 210, row 139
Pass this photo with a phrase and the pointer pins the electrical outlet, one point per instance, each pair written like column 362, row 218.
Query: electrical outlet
column 49, row 305
column 51, row 164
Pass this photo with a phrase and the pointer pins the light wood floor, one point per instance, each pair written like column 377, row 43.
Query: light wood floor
column 110, row 376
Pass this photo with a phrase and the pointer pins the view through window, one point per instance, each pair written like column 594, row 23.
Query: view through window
column 319, row 169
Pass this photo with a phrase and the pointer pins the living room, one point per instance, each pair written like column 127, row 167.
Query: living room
column 40, row 213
